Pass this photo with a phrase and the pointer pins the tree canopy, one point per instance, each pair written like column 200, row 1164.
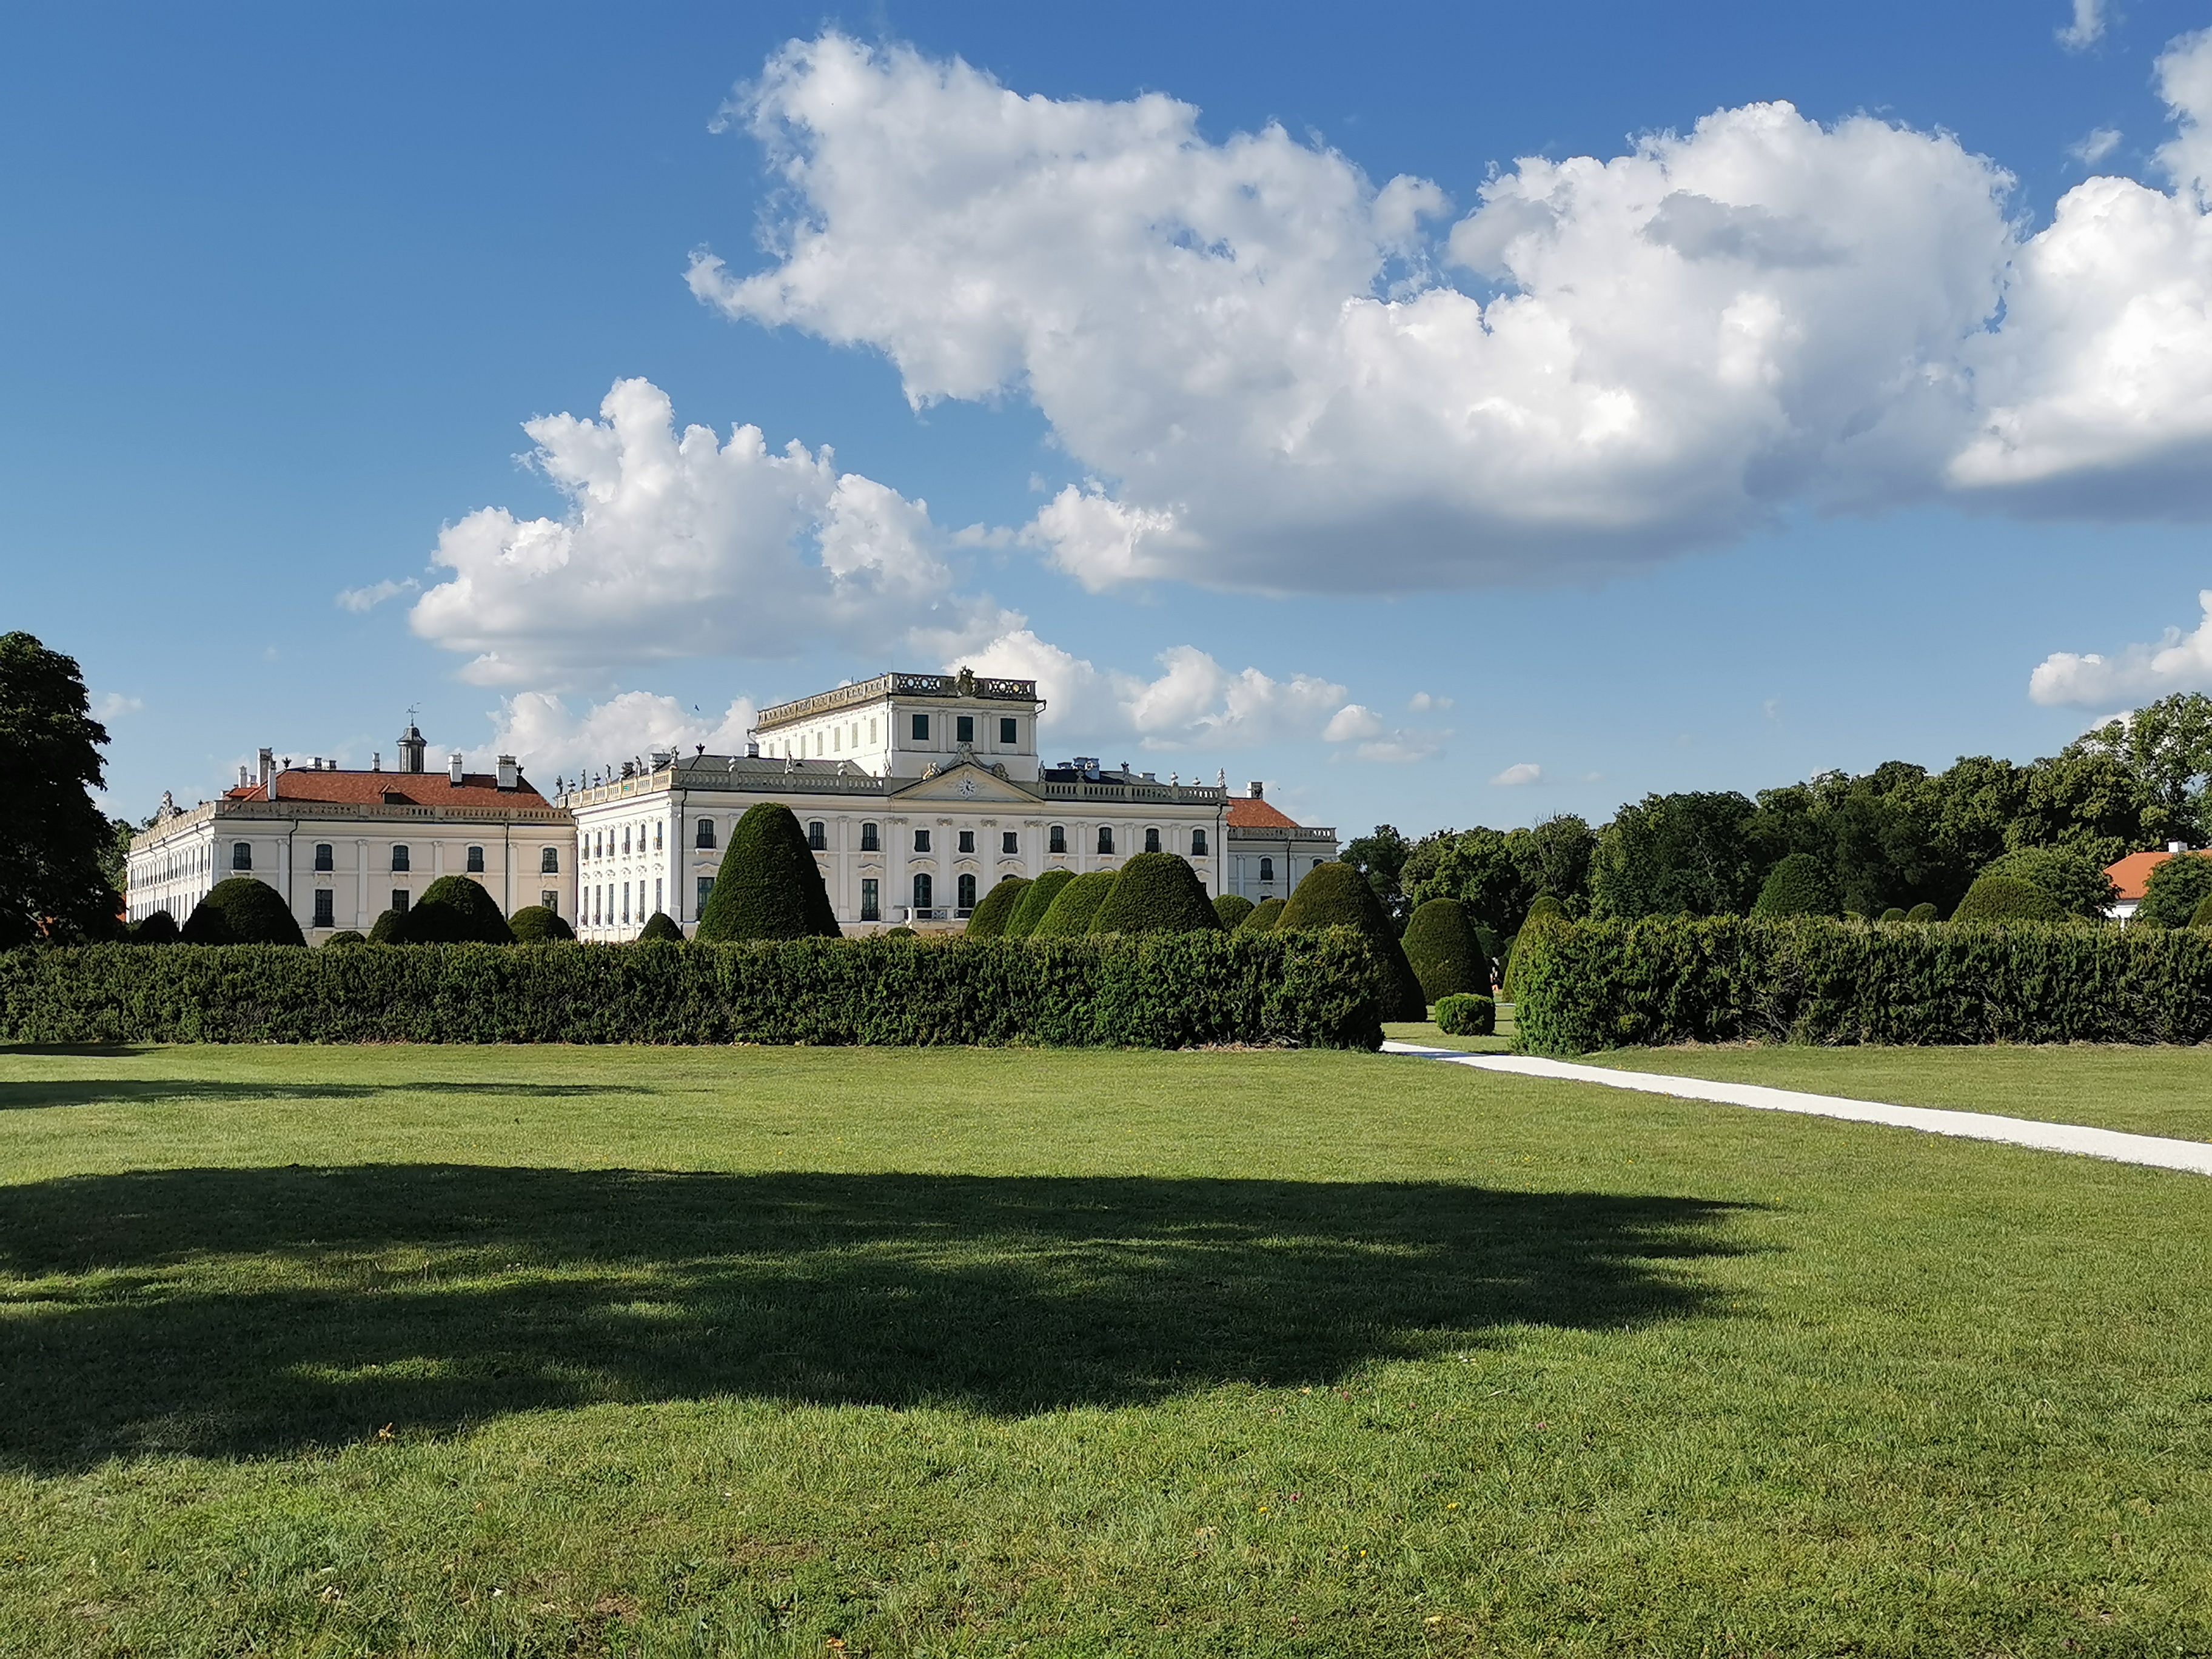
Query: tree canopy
column 53, row 836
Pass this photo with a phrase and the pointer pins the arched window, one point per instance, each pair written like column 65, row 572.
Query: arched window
column 921, row 891
column 1198, row 843
column 967, row 892
column 241, row 855
column 476, row 860
column 1266, row 869
column 816, row 837
column 1058, row 843
column 705, row 836
column 1105, row 837
column 868, row 842
column 399, row 859
column 549, row 862
column 1151, row 841
column 322, row 858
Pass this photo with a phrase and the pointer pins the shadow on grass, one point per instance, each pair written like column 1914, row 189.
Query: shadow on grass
column 36, row 1095
column 236, row 1312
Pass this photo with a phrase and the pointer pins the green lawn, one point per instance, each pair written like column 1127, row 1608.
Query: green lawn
column 477, row 1351
column 2152, row 1091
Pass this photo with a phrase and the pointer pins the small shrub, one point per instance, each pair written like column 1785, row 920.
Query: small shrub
column 1156, row 893
column 454, row 910
column 536, row 925
column 900, row 933
column 1798, row 886
column 390, row 928
column 1232, row 908
column 660, row 928
column 1894, row 914
column 1335, row 895
column 770, row 886
column 1444, row 950
column 241, row 910
column 1466, row 1014
column 1266, row 916
column 1071, row 912
column 2076, row 882
column 2177, row 886
column 1922, row 914
column 1036, row 898
column 160, row 928
column 2007, row 898
column 989, row 920
column 345, row 936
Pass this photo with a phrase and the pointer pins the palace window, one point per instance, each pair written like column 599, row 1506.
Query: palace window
column 922, row 728
column 872, row 732
column 1198, row 843
column 1151, row 841
column 870, row 907
column 550, row 900
column 967, row 840
column 625, row 901
column 816, row 837
column 963, row 728
column 399, row 899
column 1105, row 837
column 656, row 895
column 967, row 891
column 476, row 860
column 706, row 835
column 325, row 908
column 1266, row 869
column 548, row 860
column 400, row 860
column 1056, row 839
column 241, row 855
column 656, row 835
column 868, row 842
column 706, row 886
column 322, row 858
column 922, row 890
column 625, row 841
column 921, row 841
column 1008, row 733
column 1009, row 841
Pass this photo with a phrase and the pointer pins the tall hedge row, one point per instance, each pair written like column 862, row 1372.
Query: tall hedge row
column 1324, row 989
column 1591, row 985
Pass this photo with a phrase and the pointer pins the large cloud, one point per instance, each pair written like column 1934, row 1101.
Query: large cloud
column 679, row 546
column 553, row 740
column 2179, row 662
column 1250, row 346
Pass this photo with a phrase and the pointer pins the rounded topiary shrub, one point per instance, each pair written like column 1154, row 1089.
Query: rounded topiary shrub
column 1156, row 893
column 1466, row 1014
column 770, row 886
column 242, row 911
column 1265, row 916
column 160, row 928
column 1445, row 951
column 1334, row 895
column 1232, row 908
column 2177, row 886
column 1036, row 898
column 536, row 925
column 390, row 928
column 1070, row 913
column 2074, row 879
column 1798, row 886
column 2007, row 898
column 661, row 927
column 989, row 920
column 1922, row 914
column 1895, row 913
column 346, row 936
column 454, row 910
column 900, row 933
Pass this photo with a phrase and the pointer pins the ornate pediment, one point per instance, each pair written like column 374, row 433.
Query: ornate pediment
column 965, row 783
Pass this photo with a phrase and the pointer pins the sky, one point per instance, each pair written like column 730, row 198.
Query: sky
column 1456, row 416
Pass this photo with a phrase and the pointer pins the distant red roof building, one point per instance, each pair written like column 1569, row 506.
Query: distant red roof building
column 2132, row 875
column 1251, row 813
column 476, row 789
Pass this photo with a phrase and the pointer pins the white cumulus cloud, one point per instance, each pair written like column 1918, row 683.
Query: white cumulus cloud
column 1354, row 721
column 2087, row 28
column 369, row 598
column 2100, row 142
column 114, row 706
column 1422, row 702
column 677, row 545
column 1253, row 350
column 551, row 741
column 1520, row 773
column 2177, row 662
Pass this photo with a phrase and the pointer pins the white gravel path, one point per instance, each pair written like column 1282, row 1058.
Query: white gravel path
column 2156, row 1151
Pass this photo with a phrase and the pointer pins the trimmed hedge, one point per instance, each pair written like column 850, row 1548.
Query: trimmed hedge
column 1070, row 913
column 1156, row 893
column 1798, row 886
column 768, row 887
column 241, row 910
column 1542, row 911
column 1446, row 954
column 346, row 936
column 2007, row 898
column 389, row 928
column 454, row 910
column 1894, row 914
column 1602, row 985
column 1335, row 895
column 1923, row 913
column 534, row 924
column 1466, row 1014
column 1320, row 989
column 1266, row 915
column 660, row 928
column 2204, row 916
column 989, row 920
column 1232, row 908
column 1036, row 898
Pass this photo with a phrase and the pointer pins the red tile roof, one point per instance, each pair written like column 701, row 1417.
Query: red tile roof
column 476, row 789
column 2132, row 872
column 1245, row 812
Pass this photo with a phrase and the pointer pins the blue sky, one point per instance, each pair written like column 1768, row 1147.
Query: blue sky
column 282, row 287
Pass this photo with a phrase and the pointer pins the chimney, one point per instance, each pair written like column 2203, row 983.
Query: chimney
column 268, row 764
column 376, row 760
column 243, row 776
column 510, row 774
column 1259, row 790
column 2177, row 847
column 453, row 769
column 752, row 751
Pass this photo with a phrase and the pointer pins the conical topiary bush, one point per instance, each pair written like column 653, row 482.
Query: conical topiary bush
column 1036, row 898
column 1798, row 886
column 989, row 920
column 1542, row 912
column 770, row 886
column 1071, row 912
column 660, row 928
column 241, row 910
column 1445, row 951
column 1156, row 893
column 1335, row 895
column 454, row 910
column 1232, row 908
column 1265, row 916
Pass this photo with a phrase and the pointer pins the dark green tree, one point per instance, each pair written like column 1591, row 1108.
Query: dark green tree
column 1381, row 856
column 1446, row 951
column 2007, row 898
column 1036, row 898
column 241, row 910
column 989, row 920
column 770, row 886
column 52, row 838
column 160, row 928
column 1156, row 893
column 2175, row 887
column 1683, row 854
column 2088, row 799
column 2167, row 746
column 2074, row 879
column 1337, row 896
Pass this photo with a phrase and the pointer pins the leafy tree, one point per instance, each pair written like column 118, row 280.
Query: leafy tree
column 1497, row 873
column 53, row 838
column 2088, row 799
column 2075, row 881
column 1380, row 858
column 2167, row 746
column 1797, row 886
column 1684, row 855
column 2177, row 886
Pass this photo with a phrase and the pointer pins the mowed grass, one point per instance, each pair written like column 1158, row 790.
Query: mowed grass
column 2151, row 1091
column 477, row 1351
